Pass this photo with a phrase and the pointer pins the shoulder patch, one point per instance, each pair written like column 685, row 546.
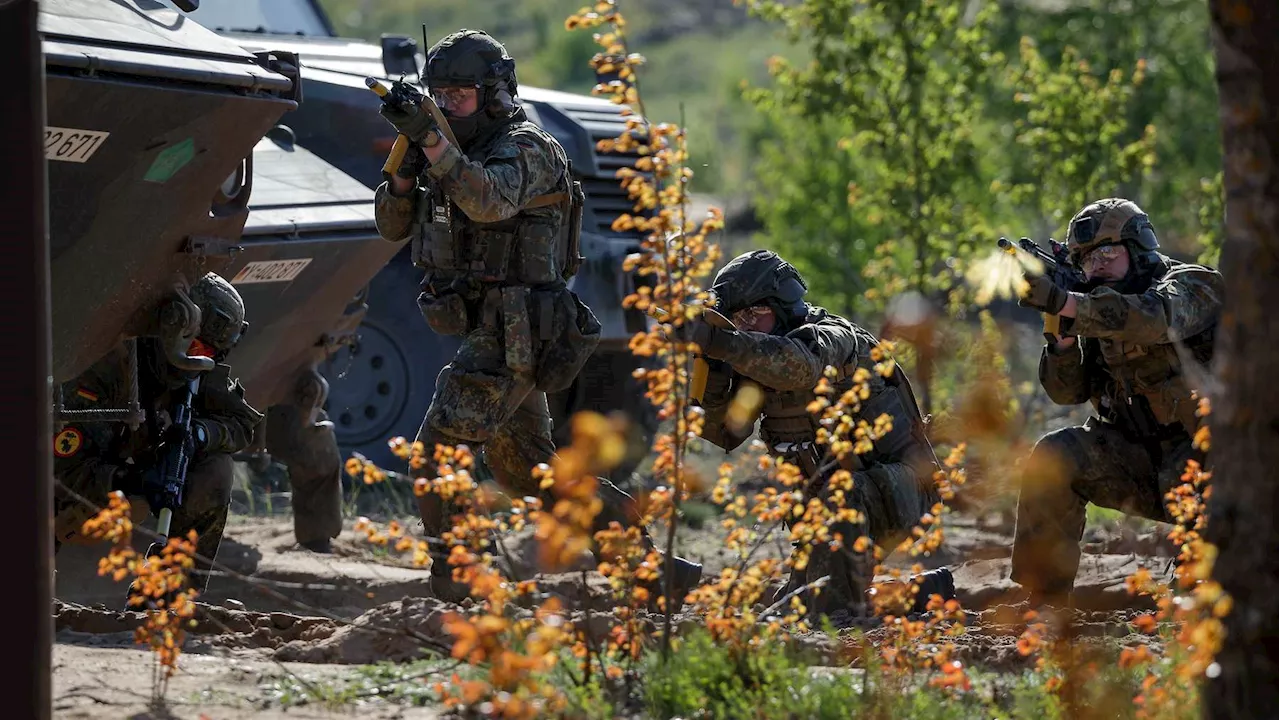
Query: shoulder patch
column 67, row 443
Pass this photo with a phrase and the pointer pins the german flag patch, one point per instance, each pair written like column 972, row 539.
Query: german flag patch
column 67, row 443
column 87, row 394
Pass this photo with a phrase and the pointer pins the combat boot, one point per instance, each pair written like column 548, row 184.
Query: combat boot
column 321, row 546
column 686, row 576
column 934, row 582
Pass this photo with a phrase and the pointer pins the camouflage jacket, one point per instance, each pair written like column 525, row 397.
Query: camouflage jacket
column 788, row 368
column 1151, row 345
column 493, row 186
column 220, row 405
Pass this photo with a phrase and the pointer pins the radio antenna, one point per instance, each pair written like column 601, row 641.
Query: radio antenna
column 422, row 80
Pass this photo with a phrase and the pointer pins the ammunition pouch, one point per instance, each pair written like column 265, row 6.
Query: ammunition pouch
column 517, row 331
column 446, row 314
column 536, row 259
column 567, row 332
column 807, row 456
column 572, row 230
column 432, row 244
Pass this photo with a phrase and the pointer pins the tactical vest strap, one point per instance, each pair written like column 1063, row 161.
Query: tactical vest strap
column 783, row 428
column 545, row 200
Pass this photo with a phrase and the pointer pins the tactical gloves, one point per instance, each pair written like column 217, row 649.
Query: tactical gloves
column 1044, row 295
column 713, row 341
column 414, row 124
column 413, row 164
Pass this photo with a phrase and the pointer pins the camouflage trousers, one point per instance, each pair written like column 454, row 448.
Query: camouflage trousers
column 310, row 451
column 205, row 503
column 891, row 500
column 1072, row 467
column 482, row 403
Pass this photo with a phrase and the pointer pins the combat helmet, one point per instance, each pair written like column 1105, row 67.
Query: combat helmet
column 761, row 277
column 1113, row 221
column 222, row 314
column 472, row 58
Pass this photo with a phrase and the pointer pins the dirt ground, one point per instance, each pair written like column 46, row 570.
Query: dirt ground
column 303, row 621
column 99, row 676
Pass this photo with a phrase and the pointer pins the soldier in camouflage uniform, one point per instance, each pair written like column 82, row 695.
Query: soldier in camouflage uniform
column 1132, row 345
column 310, row 451
column 783, row 344
column 96, row 458
column 494, row 222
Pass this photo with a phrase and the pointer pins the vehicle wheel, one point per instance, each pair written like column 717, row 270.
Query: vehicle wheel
column 381, row 387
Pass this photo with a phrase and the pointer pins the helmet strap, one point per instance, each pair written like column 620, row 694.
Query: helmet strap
column 1142, row 267
column 788, row 318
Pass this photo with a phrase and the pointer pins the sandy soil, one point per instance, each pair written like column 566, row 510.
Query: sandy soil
column 96, row 676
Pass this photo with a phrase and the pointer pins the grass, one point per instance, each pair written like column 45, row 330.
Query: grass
column 704, row 679
column 775, row 681
column 407, row 684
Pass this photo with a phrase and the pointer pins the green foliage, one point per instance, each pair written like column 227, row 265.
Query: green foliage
column 1178, row 94
column 703, row 679
column 880, row 123
column 1213, row 219
column 1074, row 135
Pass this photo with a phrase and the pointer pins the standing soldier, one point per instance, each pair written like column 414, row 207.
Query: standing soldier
column 782, row 344
column 93, row 459
column 1133, row 346
column 494, row 222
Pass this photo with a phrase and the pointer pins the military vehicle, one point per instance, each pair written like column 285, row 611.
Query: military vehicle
column 160, row 172
column 380, row 386
column 304, row 258
column 151, row 120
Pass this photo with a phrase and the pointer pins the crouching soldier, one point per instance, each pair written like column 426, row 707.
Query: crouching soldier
column 1132, row 344
column 782, row 344
column 92, row 457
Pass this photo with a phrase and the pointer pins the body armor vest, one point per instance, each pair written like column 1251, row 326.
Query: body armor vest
column 537, row 247
column 1144, row 388
column 785, row 418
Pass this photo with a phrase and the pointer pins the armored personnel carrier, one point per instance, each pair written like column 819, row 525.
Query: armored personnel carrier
column 380, row 386
column 150, row 122
column 160, row 172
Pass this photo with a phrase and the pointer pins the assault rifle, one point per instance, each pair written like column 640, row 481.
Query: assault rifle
column 165, row 484
column 408, row 98
column 1057, row 266
column 698, row 381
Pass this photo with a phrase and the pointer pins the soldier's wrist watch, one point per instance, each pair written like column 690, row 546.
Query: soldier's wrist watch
column 201, row 435
column 432, row 139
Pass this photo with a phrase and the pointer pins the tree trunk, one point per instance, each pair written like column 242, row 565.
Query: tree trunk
column 1242, row 519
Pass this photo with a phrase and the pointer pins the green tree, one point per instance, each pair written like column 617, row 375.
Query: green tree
column 1074, row 142
column 1178, row 94
column 875, row 164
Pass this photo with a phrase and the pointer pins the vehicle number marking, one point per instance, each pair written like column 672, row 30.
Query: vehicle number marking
column 267, row 271
column 71, row 145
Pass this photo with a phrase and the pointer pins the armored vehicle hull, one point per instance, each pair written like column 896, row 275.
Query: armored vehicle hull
column 307, row 250
column 148, row 115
